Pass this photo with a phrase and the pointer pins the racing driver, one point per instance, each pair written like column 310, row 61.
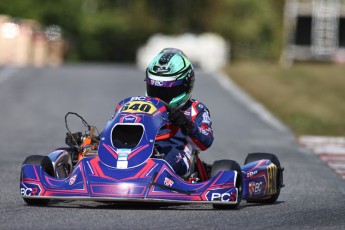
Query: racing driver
column 170, row 77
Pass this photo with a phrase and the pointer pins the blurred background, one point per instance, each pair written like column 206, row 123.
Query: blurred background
column 289, row 55
column 113, row 30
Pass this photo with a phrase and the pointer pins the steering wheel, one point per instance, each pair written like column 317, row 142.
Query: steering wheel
column 173, row 129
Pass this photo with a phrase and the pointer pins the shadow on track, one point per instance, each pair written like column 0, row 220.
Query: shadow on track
column 144, row 206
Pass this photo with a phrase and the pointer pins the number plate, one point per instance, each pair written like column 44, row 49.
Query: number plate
column 138, row 107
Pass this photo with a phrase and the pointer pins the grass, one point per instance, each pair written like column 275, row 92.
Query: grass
column 309, row 98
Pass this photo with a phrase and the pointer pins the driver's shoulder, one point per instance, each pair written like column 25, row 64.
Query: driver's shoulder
column 196, row 106
column 200, row 106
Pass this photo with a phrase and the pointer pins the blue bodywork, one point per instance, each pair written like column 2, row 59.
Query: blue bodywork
column 123, row 170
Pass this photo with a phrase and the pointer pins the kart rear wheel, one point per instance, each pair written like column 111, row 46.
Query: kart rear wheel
column 47, row 166
column 274, row 159
column 223, row 165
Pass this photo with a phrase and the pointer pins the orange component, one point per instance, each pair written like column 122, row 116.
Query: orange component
column 87, row 141
column 80, row 156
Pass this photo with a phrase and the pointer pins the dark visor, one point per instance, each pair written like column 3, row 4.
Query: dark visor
column 166, row 93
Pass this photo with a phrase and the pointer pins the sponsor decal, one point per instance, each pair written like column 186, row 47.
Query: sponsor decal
column 178, row 157
column 129, row 119
column 254, row 188
column 157, row 83
column 258, row 187
column 206, row 118
column 138, row 98
column 122, row 164
column 72, row 179
column 251, row 187
column 30, row 189
column 221, row 195
column 168, row 182
column 123, row 154
column 122, row 161
column 163, row 69
column 272, row 178
column 251, row 174
column 187, row 112
column 205, row 129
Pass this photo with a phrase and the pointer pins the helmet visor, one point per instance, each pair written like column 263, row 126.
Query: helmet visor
column 166, row 93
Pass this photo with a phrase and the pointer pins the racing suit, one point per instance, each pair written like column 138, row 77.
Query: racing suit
column 178, row 149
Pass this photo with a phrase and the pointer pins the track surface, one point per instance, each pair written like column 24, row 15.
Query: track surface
column 33, row 103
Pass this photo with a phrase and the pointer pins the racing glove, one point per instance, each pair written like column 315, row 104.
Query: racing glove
column 178, row 118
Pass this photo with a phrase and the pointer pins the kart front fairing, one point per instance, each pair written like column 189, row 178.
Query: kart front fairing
column 128, row 139
column 124, row 169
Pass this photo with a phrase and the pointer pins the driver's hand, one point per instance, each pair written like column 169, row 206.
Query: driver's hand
column 178, row 118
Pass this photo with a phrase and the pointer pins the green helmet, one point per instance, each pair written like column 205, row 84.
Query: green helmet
column 170, row 77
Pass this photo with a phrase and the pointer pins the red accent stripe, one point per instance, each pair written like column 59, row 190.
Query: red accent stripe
column 97, row 169
column 162, row 109
column 137, row 151
column 142, row 173
column 195, row 109
column 198, row 143
column 118, row 107
column 110, row 150
column 162, row 137
column 37, row 177
column 259, row 164
column 173, row 130
column 202, row 170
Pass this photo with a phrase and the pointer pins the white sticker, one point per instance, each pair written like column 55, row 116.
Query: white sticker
column 122, row 164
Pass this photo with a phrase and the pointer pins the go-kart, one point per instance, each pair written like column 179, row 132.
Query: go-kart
column 122, row 165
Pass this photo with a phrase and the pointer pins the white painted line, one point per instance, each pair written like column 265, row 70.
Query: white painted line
column 332, row 157
column 324, row 145
column 336, row 165
column 7, row 72
column 340, row 171
column 249, row 102
column 322, row 140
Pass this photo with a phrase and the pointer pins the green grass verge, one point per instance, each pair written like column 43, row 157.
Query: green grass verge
column 308, row 98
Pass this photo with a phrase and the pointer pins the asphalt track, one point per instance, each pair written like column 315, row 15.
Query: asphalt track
column 33, row 103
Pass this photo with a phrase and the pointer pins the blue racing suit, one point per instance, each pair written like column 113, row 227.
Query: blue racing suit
column 178, row 149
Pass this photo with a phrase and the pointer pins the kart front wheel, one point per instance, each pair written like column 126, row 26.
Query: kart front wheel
column 47, row 167
column 279, row 176
column 227, row 165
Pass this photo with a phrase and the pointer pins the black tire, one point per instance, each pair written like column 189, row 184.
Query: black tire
column 274, row 159
column 47, row 166
column 223, row 165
